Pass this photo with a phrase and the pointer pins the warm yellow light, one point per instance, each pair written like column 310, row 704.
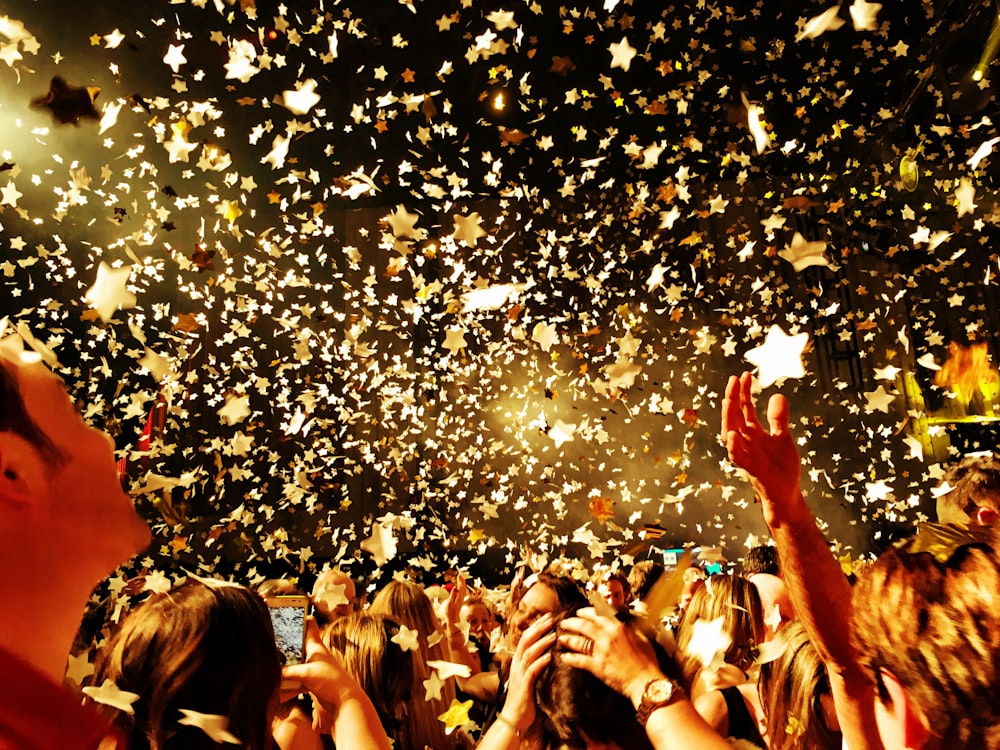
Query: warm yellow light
column 977, row 74
column 499, row 103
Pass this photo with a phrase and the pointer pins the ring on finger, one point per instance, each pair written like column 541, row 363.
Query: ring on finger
column 588, row 646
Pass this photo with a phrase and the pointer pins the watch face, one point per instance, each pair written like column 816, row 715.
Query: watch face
column 659, row 690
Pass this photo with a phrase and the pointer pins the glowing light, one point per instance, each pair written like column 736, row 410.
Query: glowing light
column 499, row 102
column 977, row 74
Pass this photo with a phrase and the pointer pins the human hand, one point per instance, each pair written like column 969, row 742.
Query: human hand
column 614, row 653
column 456, row 598
column 321, row 674
column 770, row 457
column 532, row 655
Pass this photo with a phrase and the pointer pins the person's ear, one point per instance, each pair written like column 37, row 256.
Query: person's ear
column 911, row 723
column 985, row 516
column 21, row 471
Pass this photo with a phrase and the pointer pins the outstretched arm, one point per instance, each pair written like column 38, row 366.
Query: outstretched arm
column 819, row 591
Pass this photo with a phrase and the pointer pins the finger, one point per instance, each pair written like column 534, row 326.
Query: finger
column 777, row 414
column 536, row 667
column 746, row 401
column 539, row 648
column 580, row 644
column 534, row 631
column 314, row 640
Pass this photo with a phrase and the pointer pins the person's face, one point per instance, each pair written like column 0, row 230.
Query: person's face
column 537, row 601
column 614, row 594
column 690, row 589
column 478, row 617
column 79, row 500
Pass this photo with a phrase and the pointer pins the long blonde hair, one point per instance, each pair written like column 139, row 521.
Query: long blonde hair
column 736, row 601
column 382, row 668
column 407, row 604
column 791, row 689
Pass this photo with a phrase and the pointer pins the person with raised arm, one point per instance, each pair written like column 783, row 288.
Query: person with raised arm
column 820, row 594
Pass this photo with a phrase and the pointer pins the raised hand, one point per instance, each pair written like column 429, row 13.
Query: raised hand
column 768, row 456
column 533, row 653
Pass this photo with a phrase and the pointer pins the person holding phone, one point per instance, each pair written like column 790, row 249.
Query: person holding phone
column 198, row 665
column 59, row 495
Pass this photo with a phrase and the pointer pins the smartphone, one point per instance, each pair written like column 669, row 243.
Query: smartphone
column 288, row 617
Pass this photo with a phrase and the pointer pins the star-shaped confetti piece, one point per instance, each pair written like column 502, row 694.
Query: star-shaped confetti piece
column 110, row 695
column 407, row 639
column 457, row 715
column 235, row 410
column 802, row 253
column 108, row 294
column 302, row 98
column 468, row 229
column 879, row 400
column 622, row 53
column 216, row 727
column 863, row 15
column 780, row 356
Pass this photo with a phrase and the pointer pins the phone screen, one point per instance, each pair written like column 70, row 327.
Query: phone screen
column 288, row 617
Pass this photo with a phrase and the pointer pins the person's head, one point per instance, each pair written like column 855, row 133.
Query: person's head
column 59, row 485
column 382, row 668
column 761, row 559
column 694, row 581
column 204, row 647
column 579, row 711
column 477, row 614
column 974, row 494
column 643, row 576
column 613, row 588
column 926, row 626
column 545, row 593
column 278, row 587
column 735, row 600
column 795, row 694
column 333, row 595
column 774, row 600
column 406, row 603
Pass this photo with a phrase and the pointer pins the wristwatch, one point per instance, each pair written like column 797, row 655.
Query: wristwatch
column 657, row 694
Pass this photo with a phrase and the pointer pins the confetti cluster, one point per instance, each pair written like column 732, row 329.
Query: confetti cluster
column 420, row 283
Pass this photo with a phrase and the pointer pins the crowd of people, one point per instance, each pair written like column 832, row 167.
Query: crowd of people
column 786, row 653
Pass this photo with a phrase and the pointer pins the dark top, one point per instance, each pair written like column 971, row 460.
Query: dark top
column 741, row 723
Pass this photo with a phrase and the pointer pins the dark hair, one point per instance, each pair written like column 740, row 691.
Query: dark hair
column 975, row 482
column 643, row 576
column 567, row 591
column 198, row 647
column 576, row 707
column 933, row 623
column 761, row 559
column 14, row 417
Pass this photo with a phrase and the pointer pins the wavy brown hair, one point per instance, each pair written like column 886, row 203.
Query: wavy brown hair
column 198, row 647
column 935, row 625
